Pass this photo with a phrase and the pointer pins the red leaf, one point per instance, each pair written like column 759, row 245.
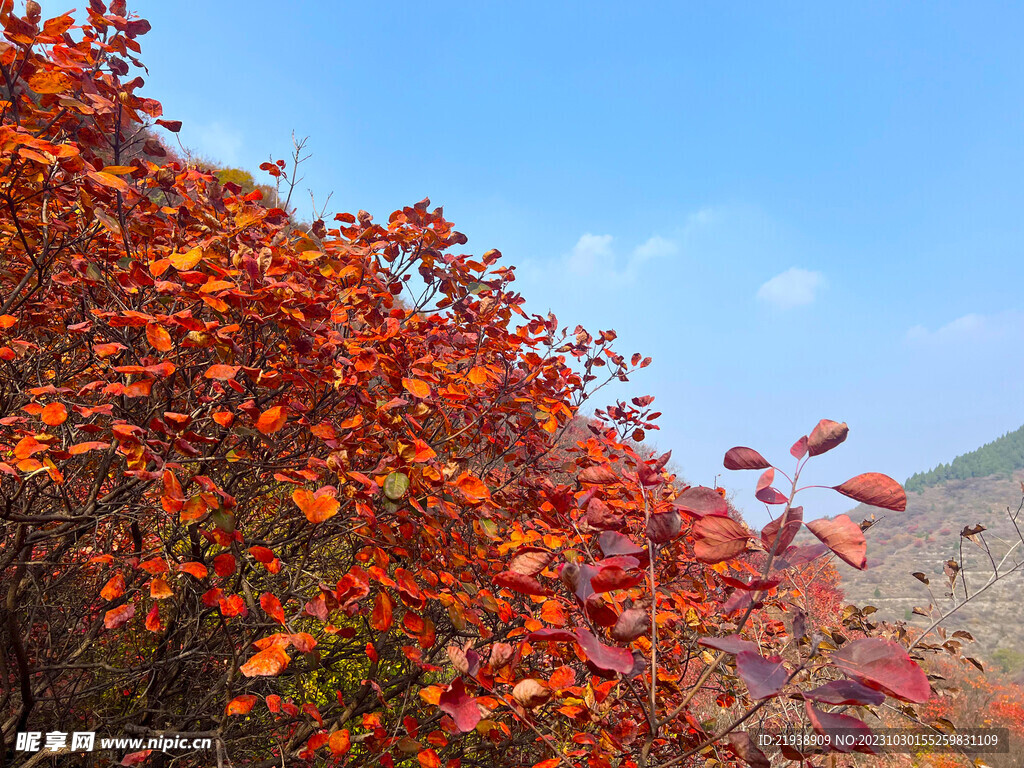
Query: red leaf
column 241, row 705
column 875, row 489
column 765, row 492
column 601, row 474
column 552, row 635
column 416, row 387
column 613, row 577
column 744, row 458
column 743, row 746
column 764, row 677
column 271, row 420
column 613, row 544
column 604, row 517
column 381, row 617
column 520, row 582
column 884, row 665
column 729, row 644
column 700, row 501
column 224, row 564
column 843, row 692
column 631, row 624
column 603, row 656
column 844, row 537
column 266, row 663
column 664, row 526
column 794, row 556
column 428, row 759
column 826, row 436
column 118, row 617
column 461, row 706
column 827, row 724
column 272, row 606
column 789, row 524
column 799, row 448
column 530, row 561
column 719, row 538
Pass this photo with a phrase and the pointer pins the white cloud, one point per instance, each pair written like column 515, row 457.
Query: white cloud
column 793, row 288
column 594, row 257
column 969, row 327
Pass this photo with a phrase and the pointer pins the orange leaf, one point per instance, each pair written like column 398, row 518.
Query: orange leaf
column 224, row 418
column 381, row 618
column 54, row 414
column 114, row 588
column 271, row 420
column 428, row 759
column 272, row 606
column 186, row 261
column 240, row 705
column 417, row 387
column 316, row 507
column 423, row 452
column 53, row 81
column 266, row 663
column 472, row 488
column 159, row 338
column 553, row 613
column 108, row 180
column 107, row 349
column 195, row 569
column 159, row 589
column 222, row 372
column 216, row 285
column 340, row 742
column 81, row 448
column 153, row 619
column 233, row 605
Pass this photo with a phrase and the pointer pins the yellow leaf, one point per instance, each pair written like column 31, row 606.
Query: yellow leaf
column 186, row 261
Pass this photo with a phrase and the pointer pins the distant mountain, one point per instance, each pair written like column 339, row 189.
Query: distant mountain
column 1000, row 457
column 925, row 536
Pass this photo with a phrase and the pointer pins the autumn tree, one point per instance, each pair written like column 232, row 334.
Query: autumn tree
column 257, row 486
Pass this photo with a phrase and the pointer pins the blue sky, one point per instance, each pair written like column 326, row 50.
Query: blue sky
column 799, row 210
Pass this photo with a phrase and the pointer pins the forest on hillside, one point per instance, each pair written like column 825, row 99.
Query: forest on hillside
column 279, row 493
column 1002, row 456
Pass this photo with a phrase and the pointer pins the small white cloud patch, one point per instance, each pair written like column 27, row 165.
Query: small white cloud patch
column 969, row 327
column 793, row 288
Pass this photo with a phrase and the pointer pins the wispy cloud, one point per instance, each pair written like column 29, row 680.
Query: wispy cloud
column 793, row 288
column 596, row 257
column 969, row 327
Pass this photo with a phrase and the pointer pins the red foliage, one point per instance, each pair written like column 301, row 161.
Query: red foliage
column 237, row 469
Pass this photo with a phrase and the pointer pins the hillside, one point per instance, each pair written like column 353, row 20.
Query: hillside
column 1000, row 457
column 924, row 538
